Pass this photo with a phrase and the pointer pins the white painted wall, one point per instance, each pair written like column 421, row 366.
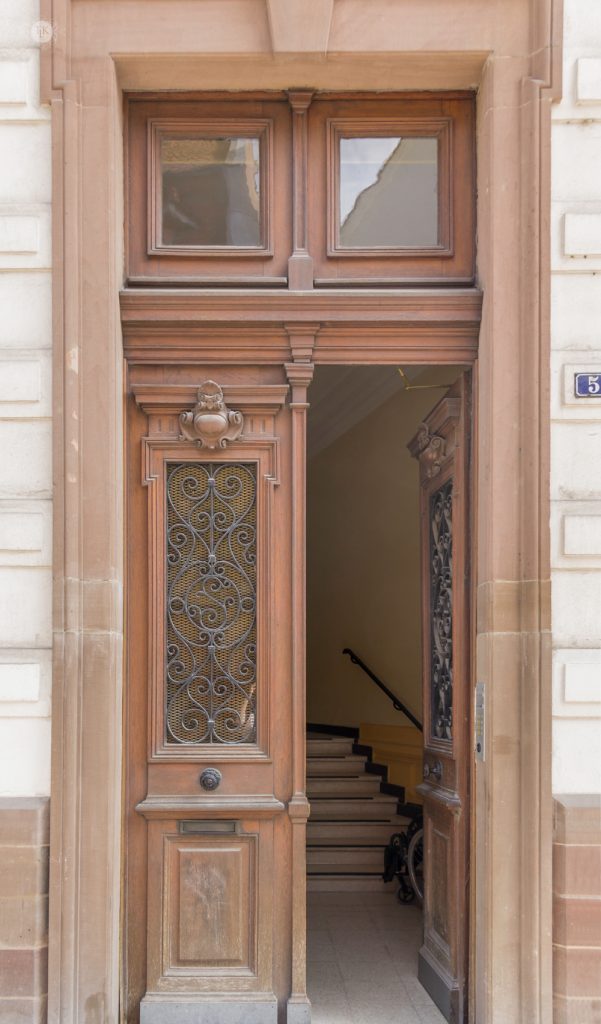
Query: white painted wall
column 25, row 408
column 576, row 423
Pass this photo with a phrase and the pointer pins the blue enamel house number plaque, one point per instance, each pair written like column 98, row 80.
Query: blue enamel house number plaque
column 587, row 385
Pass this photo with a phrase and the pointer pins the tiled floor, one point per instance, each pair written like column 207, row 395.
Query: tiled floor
column 362, row 961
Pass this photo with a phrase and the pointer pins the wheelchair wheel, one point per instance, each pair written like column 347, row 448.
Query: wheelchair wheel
column 415, row 864
column 405, row 893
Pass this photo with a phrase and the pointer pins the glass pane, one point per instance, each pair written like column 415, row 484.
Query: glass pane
column 211, row 191
column 211, row 663
column 388, row 192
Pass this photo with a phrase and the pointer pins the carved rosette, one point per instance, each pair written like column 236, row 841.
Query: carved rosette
column 430, row 449
column 210, row 423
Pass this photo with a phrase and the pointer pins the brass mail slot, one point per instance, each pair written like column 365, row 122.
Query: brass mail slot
column 195, row 826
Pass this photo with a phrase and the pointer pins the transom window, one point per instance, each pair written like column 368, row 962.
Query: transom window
column 365, row 190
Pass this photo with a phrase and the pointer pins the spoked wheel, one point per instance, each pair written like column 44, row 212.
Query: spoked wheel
column 415, row 864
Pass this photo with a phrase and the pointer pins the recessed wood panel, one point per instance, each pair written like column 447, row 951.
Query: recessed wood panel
column 209, row 908
column 438, row 871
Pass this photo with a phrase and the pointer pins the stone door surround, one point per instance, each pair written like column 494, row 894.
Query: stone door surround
column 510, row 53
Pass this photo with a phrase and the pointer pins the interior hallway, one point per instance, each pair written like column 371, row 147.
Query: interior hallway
column 362, row 960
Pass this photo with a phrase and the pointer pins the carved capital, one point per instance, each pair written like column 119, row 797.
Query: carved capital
column 430, row 449
column 210, row 423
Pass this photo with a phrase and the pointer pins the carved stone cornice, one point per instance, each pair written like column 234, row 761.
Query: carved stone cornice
column 210, row 423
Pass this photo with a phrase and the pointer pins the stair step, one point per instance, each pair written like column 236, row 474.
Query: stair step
column 380, row 808
column 342, row 870
column 325, row 766
column 345, row 860
column 352, row 786
column 353, row 833
column 330, row 746
column 348, row 883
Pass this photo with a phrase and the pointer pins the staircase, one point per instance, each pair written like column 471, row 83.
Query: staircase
column 351, row 818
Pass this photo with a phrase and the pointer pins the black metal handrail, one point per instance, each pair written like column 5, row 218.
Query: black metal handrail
column 396, row 702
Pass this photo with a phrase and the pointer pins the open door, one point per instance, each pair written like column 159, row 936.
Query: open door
column 442, row 446
column 215, row 845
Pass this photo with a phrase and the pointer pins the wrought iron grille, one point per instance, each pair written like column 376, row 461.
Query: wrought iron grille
column 211, row 662
column 441, row 612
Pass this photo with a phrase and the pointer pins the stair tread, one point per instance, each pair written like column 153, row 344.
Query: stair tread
column 348, row 883
column 346, row 869
column 378, row 798
column 330, row 746
column 336, row 860
column 336, row 767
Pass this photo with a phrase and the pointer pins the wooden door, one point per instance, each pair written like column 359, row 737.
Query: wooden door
column 442, row 446
column 212, row 857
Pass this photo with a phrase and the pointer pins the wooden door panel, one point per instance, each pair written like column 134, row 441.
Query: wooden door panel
column 438, row 908
column 208, row 759
column 210, row 905
column 442, row 446
column 209, row 922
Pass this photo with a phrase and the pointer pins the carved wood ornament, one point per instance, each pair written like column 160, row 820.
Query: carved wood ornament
column 430, row 449
column 210, row 423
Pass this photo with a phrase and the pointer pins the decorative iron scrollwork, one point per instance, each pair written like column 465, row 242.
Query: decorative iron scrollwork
column 210, row 423
column 211, row 603
column 441, row 611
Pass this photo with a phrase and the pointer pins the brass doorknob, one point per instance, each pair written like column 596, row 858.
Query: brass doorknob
column 210, row 779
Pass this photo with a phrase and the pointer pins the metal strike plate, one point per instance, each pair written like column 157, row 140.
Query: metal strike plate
column 480, row 722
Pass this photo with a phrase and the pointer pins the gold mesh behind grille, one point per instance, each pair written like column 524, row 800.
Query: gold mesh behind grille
column 211, row 603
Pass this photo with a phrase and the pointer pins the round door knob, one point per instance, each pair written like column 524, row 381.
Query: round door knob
column 210, row 779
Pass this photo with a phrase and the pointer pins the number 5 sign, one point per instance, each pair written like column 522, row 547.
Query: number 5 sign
column 587, row 385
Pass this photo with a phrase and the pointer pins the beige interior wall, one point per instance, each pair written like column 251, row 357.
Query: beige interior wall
column 363, row 579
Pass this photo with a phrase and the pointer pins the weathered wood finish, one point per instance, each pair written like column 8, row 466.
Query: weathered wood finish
column 234, row 954
column 443, row 445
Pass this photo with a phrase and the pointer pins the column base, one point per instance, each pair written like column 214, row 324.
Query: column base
column 298, row 1011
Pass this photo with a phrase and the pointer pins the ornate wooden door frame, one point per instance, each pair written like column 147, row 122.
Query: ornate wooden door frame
column 166, row 362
